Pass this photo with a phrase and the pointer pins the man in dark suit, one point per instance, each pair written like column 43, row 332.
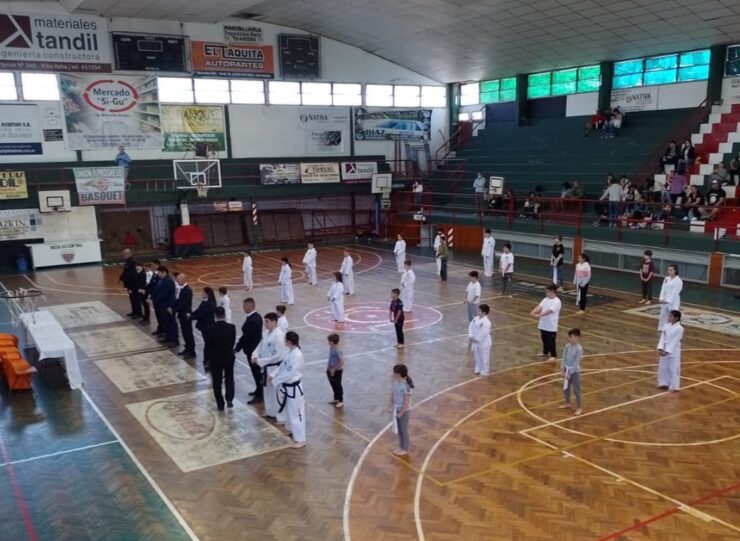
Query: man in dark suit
column 150, row 289
column 128, row 279
column 250, row 339
column 164, row 297
column 140, row 290
column 218, row 351
column 183, row 309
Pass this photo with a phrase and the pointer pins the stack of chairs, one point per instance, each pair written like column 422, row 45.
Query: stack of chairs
column 15, row 368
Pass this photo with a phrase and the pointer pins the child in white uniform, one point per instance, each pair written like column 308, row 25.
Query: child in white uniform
column 489, row 244
column 247, row 270
column 287, row 381
column 225, row 302
column 348, row 275
column 309, row 262
column 400, row 250
column 407, row 287
column 548, row 312
column 268, row 356
column 506, row 265
column 336, row 298
column 670, row 295
column 479, row 336
column 669, row 353
column 282, row 319
column 472, row 295
column 437, row 242
column 286, row 282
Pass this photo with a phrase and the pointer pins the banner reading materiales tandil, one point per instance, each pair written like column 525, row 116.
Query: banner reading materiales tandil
column 185, row 125
column 100, row 185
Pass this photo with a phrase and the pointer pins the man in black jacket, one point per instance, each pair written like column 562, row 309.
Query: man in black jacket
column 250, row 339
column 163, row 296
column 183, row 308
column 140, row 290
column 218, row 351
column 128, row 279
column 150, row 289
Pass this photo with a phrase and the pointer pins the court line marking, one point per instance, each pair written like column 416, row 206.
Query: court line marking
column 18, row 494
column 58, row 453
column 141, row 468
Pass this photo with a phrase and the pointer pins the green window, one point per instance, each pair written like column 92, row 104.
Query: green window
column 498, row 90
column 628, row 67
column 661, row 62
column 663, row 69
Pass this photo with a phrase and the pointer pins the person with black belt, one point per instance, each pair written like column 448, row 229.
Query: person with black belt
column 163, row 296
column 250, row 339
column 183, row 308
column 128, row 280
column 287, row 380
column 204, row 315
column 268, row 357
column 219, row 341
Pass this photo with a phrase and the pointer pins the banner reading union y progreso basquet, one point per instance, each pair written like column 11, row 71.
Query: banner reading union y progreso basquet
column 100, row 185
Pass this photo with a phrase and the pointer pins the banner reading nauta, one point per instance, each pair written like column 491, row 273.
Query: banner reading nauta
column 100, row 185
column 185, row 125
column 385, row 125
column 105, row 112
column 13, row 185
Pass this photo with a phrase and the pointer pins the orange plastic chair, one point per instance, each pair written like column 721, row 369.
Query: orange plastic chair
column 17, row 371
column 7, row 336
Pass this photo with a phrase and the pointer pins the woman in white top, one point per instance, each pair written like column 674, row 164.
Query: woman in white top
column 286, row 282
column 348, row 275
column 287, row 381
column 669, row 353
column 670, row 295
column 408, row 278
column 581, row 278
column 247, row 270
column 336, row 298
column 400, row 250
column 225, row 302
column 309, row 262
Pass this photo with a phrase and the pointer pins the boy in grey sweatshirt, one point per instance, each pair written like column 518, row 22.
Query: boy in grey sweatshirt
column 571, row 367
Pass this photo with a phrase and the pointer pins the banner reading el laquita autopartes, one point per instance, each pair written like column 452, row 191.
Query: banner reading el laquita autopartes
column 643, row 98
column 280, row 173
column 185, row 125
column 100, row 185
column 20, row 130
column 312, row 173
column 103, row 111
column 13, row 185
column 386, row 125
column 20, row 224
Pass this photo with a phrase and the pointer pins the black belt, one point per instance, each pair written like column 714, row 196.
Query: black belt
column 264, row 371
column 295, row 386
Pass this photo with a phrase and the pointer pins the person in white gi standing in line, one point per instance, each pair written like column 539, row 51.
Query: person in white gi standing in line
column 336, row 298
column 669, row 353
column 247, row 270
column 400, row 250
column 287, row 381
column 437, row 242
column 670, row 295
column 348, row 275
column 286, row 282
column 408, row 278
column 309, row 262
column 472, row 295
column 268, row 356
column 489, row 244
column 479, row 336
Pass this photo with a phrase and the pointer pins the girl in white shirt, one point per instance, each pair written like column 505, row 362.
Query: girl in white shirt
column 408, row 278
column 506, row 265
column 282, row 321
column 669, row 353
column 472, row 295
column 479, row 336
column 286, row 282
column 400, row 250
column 581, row 280
column 670, row 295
column 548, row 312
column 336, row 298
column 247, row 269
column 225, row 302
column 348, row 274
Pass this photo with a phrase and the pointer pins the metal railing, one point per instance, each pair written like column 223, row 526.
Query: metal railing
column 458, row 138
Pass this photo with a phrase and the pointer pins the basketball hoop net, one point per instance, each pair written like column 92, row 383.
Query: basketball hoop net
column 21, row 301
column 202, row 189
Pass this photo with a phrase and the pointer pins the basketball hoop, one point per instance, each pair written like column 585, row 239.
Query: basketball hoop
column 202, row 190
column 21, row 301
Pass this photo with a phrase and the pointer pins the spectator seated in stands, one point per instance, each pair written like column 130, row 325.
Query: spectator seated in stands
column 720, row 174
column 633, row 202
column 714, row 200
column 686, row 156
column 691, row 204
column 735, row 170
column 670, row 157
column 597, row 122
column 676, row 185
column 531, row 208
column 614, row 122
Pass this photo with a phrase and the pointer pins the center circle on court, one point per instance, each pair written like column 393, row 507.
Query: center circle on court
column 371, row 317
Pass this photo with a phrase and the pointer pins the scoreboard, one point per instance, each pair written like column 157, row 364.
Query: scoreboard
column 146, row 52
column 299, row 56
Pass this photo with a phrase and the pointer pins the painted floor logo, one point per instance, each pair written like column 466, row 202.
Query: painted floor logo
column 371, row 317
column 15, row 31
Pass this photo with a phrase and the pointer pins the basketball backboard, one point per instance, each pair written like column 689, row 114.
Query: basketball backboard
column 54, row 201
column 190, row 173
column 381, row 182
column 496, row 185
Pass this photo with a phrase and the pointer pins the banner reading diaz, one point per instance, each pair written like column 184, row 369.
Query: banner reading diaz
column 13, row 185
column 384, row 125
column 100, row 185
column 185, row 125
column 105, row 111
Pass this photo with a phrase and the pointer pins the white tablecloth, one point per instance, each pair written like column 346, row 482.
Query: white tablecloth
column 50, row 340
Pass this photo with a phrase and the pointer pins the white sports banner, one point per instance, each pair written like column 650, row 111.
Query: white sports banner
column 106, row 111
column 100, row 185
column 359, row 170
column 19, row 224
column 314, row 173
column 20, row 130
column 644, row 98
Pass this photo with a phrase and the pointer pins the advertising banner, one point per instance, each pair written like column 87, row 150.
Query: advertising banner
column 238, row 33
column 100, row 185
column 13, row 185
column 20, row 130
column 280, row 173
column 731, row 90
column 314, row 173
column 325, row 130
column 185, row 125
column 232, row 60
column 104, row 112
column 644, row 98
column 358, row 170
column 386, row 125
column 70, row 43
column 19, row 224
column 65, row 253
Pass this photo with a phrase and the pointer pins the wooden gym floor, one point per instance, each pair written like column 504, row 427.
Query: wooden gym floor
column 142, row 454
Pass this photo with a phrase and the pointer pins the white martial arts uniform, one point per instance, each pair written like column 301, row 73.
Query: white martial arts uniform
column 269, row 355
column 489, row 243
column 348, row 275
column 669, row 365
column 286, row 284
column 472, row 298
column 670, row 298
column 336, row 301
column 225, row 302
column 309, row 262
column 480, row 329
column 437, row 242
column 247, row 271
column 407, row 290
column 400, row 250
column 283, row 323
column 287, row 381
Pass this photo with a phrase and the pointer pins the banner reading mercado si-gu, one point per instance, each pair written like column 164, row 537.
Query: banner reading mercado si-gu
column 104, row 111
column 232, row 60
column 54, row 43
column 100, row 185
